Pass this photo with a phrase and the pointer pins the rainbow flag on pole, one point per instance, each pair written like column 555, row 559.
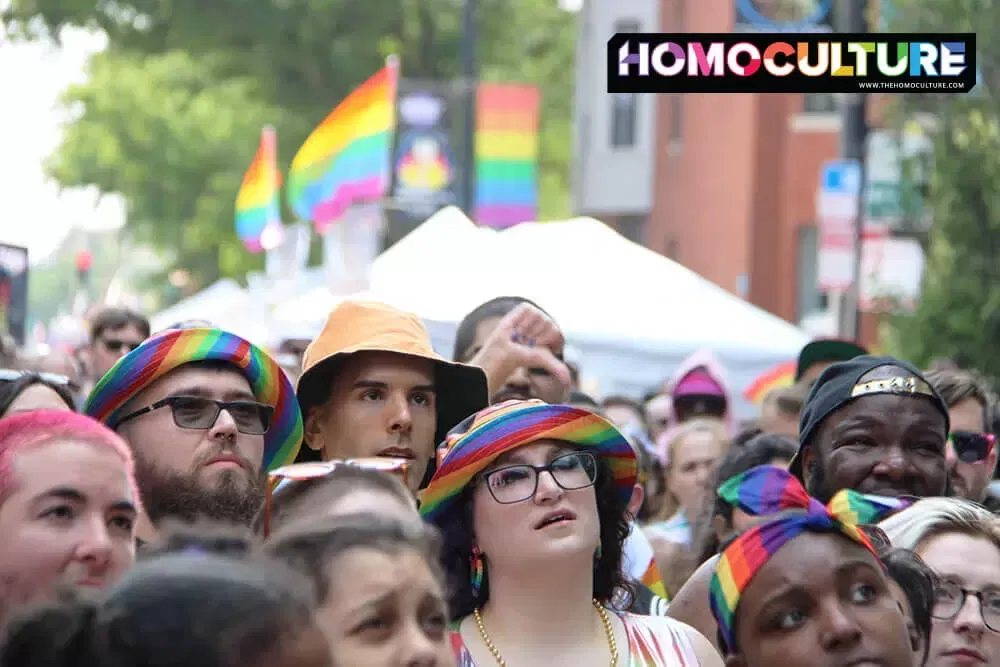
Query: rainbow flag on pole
column 345, row 160
column 507, row 120
column 258, row 209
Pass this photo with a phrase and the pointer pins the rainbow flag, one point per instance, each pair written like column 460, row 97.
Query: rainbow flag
column 346, row 159
column 782, row 375
column 507, row 119
column 258, row 210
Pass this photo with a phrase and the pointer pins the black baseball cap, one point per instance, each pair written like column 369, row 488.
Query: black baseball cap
column 840, row 384
column 826, row 349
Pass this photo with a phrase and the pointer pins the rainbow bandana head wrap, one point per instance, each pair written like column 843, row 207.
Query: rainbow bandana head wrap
column 767, row 490
column 480, row 439
column 165, row 351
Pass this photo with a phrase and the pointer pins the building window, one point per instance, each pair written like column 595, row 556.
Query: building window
column 624, row 106
column 810, row 299
column 819, row 103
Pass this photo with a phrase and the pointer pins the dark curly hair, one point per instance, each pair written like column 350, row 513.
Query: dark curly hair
column 610, row 584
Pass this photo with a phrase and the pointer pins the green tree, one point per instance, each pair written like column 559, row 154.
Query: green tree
column 958, row 314
column 172, row 113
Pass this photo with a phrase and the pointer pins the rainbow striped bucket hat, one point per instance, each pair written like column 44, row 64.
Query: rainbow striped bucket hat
column 167, row 350
column 480, row 439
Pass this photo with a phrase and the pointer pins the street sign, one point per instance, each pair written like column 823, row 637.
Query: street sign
column 840, row 187
column 892, row 195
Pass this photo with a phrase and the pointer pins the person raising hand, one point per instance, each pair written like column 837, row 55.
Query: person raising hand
column 520, row 348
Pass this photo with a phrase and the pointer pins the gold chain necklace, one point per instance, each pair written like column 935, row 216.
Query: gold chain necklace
column 605, row 619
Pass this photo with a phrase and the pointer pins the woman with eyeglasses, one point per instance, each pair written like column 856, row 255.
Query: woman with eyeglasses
column 23, row 391
column 960, row 542
column 531, row 499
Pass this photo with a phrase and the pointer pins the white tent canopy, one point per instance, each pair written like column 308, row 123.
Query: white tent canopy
column 634, row 314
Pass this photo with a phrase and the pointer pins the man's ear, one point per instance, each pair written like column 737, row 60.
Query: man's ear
column 314, row 427
column 808, row 460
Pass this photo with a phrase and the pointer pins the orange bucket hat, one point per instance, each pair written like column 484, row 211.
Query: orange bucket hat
column 368, row 326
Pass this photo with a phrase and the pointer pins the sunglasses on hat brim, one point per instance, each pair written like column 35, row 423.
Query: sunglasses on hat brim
column 285, row 477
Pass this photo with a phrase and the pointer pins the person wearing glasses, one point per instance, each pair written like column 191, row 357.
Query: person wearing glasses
column 24, row 391
column 971, row 454
column 531, row 500
column 114, row 332
column 960, row 542
column 207, row 413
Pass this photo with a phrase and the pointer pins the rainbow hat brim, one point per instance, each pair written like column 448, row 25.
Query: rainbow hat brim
column 480, row 439
column 167, row 350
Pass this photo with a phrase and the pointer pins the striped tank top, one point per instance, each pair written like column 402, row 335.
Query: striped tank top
column 653, row 641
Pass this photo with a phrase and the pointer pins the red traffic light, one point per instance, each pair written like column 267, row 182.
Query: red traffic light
column 84, row 260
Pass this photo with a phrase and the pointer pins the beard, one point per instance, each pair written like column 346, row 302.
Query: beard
column 179, row 496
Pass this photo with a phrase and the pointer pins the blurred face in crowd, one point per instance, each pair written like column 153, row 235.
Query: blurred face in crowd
column 658, row 410
column 385, row 610
column 774, row 420
column 961, row 634
column 623, row 416
column 110, row 346
column 689, row 471
column 883, row 444
column 67, row 518
column 967, row 419
column 186, row 472
column 821, row 601
column 381, row 404
column 524, row 383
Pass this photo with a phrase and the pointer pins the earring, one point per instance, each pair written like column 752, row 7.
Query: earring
column 597, row 553
column 476, row 570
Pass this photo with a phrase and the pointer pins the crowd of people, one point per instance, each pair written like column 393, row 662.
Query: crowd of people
column 185, row 497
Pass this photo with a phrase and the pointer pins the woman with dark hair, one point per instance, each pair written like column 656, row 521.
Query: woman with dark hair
column 532, row 501
column 22, row 391
column 178, row 610
column 379, row 584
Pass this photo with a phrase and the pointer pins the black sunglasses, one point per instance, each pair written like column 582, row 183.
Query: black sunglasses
column 120, row 346
column 971, row 447
column 197, row 412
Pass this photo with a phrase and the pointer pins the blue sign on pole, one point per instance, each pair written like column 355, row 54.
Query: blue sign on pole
column 841, row 177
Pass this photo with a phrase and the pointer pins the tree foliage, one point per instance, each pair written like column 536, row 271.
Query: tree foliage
column 171, row 115
column 958, row 314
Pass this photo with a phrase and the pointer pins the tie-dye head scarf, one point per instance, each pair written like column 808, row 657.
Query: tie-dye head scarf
column 767, row 490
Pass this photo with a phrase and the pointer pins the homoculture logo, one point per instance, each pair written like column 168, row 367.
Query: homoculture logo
column 791, row 63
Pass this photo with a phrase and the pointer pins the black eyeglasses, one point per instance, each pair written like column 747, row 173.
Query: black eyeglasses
column 971, row 447
column 515, row 483
column 114, row 345
column 949, row 598
column 197, row 412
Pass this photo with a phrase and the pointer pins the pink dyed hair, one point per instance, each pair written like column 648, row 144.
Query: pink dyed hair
column 27, row 430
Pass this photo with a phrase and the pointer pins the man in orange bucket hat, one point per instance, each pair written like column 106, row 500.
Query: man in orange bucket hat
column 372, row 385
